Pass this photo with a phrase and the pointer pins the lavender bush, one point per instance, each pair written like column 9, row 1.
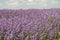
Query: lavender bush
column 30, row 24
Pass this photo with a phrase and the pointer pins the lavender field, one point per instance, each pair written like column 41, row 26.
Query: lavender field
column 31, row 24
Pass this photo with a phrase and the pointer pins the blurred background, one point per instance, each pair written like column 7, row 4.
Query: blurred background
column 29, row 4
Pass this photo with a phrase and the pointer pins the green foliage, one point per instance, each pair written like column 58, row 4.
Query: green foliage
column 2, row 38
column 58, row 36
column 51, row 19
column 58, row 19
column 19, row 38
column 27, row 35
column 38, row 36
column 45, row 38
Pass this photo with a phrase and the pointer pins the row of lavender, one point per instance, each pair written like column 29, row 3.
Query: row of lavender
column 29, row 24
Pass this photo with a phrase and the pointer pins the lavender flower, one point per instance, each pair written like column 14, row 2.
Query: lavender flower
column 29, row 24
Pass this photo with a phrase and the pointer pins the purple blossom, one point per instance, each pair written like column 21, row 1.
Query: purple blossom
column 29, row 24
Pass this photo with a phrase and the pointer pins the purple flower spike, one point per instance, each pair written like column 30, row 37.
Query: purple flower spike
column 29, row 24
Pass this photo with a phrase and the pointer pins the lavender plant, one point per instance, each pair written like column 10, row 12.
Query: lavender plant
column 30, row 24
